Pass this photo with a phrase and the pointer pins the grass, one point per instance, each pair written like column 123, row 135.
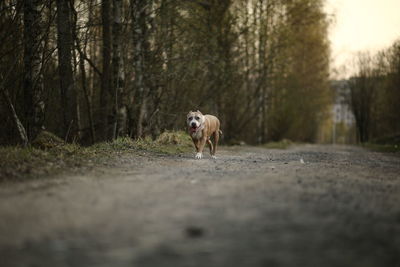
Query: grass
column 49, row 155
column 169, row 143
column 283, row 144
column 385, row 144
column 390, row 148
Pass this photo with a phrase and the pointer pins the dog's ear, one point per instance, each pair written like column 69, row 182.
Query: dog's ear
column 199, row 111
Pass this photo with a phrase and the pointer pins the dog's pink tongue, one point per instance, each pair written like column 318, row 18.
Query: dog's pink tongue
column 193, row 129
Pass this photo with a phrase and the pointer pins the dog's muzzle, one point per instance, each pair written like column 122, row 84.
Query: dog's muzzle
column 193, row 129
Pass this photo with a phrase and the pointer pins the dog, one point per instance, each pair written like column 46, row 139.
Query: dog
column 201, row 128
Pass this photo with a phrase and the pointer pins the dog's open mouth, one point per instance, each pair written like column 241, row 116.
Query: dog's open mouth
column 193, row 129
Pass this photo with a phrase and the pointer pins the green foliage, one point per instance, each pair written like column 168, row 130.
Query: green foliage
column 180, row 138
column 389, row 143
column 283, row 144
column 383, row 148
column 54, row 156
column 388, row 140
column 20, row 163
column 46, row 140
column 167, row 143
column 119, row 144
column 300, row 98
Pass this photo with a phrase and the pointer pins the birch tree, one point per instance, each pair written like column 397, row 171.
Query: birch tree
column 120, row 109
column 139, row 10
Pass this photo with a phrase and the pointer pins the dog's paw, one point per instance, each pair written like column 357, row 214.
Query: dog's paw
column 214, row 157
column 199, row 155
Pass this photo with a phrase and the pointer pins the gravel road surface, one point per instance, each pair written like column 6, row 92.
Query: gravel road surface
column 309, row 205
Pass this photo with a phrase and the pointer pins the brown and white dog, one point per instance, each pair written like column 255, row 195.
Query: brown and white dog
column 201, row 128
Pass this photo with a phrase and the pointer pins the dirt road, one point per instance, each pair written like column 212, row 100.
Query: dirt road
column 250, row 207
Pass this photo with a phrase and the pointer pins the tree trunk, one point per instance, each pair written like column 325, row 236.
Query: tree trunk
column 106, row 73
column 87, row 98
column 33, row 77
column 87, row 95
column 18, row 124
column 262, row 71
column 64, row 43
column 77, row 95
column 139, row 36
column 120, row 109
column 20, row 127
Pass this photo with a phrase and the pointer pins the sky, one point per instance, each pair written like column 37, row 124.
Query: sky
column 361, row 25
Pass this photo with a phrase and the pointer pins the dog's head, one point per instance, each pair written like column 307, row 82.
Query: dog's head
column 194, row 120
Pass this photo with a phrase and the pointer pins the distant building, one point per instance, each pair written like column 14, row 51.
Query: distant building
column 341, row 110
column 342, row 116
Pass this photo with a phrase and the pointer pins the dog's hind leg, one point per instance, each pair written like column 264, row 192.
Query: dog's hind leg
column 216, row 139
column 211, row 146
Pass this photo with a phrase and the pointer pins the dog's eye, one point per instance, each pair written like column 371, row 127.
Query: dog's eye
column 190, row 118
column 197, row 118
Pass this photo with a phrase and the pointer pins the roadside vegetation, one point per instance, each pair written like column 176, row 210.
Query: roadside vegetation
column 383, row 148
column 374, row 96
column 49, row 155
column 385, row 144
column 283, row 144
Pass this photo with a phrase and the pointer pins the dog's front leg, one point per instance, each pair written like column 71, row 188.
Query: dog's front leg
column 196, row 144
column 201, row 145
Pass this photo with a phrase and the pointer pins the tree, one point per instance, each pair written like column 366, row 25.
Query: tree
column 18, row 124
column 375, row 92
column 139, row 11
column 362, row 93
column 33, row 60
column 261, row 66
column 299, row 101
column 82, row 57
column 65, row 44
column 106, row 70
column 390, row 93
column 120, row 108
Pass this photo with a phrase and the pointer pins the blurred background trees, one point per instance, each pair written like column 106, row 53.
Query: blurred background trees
column 375, row 95
column 94, row 70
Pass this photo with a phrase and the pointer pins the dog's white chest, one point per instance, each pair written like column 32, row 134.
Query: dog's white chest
column 197, row 135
